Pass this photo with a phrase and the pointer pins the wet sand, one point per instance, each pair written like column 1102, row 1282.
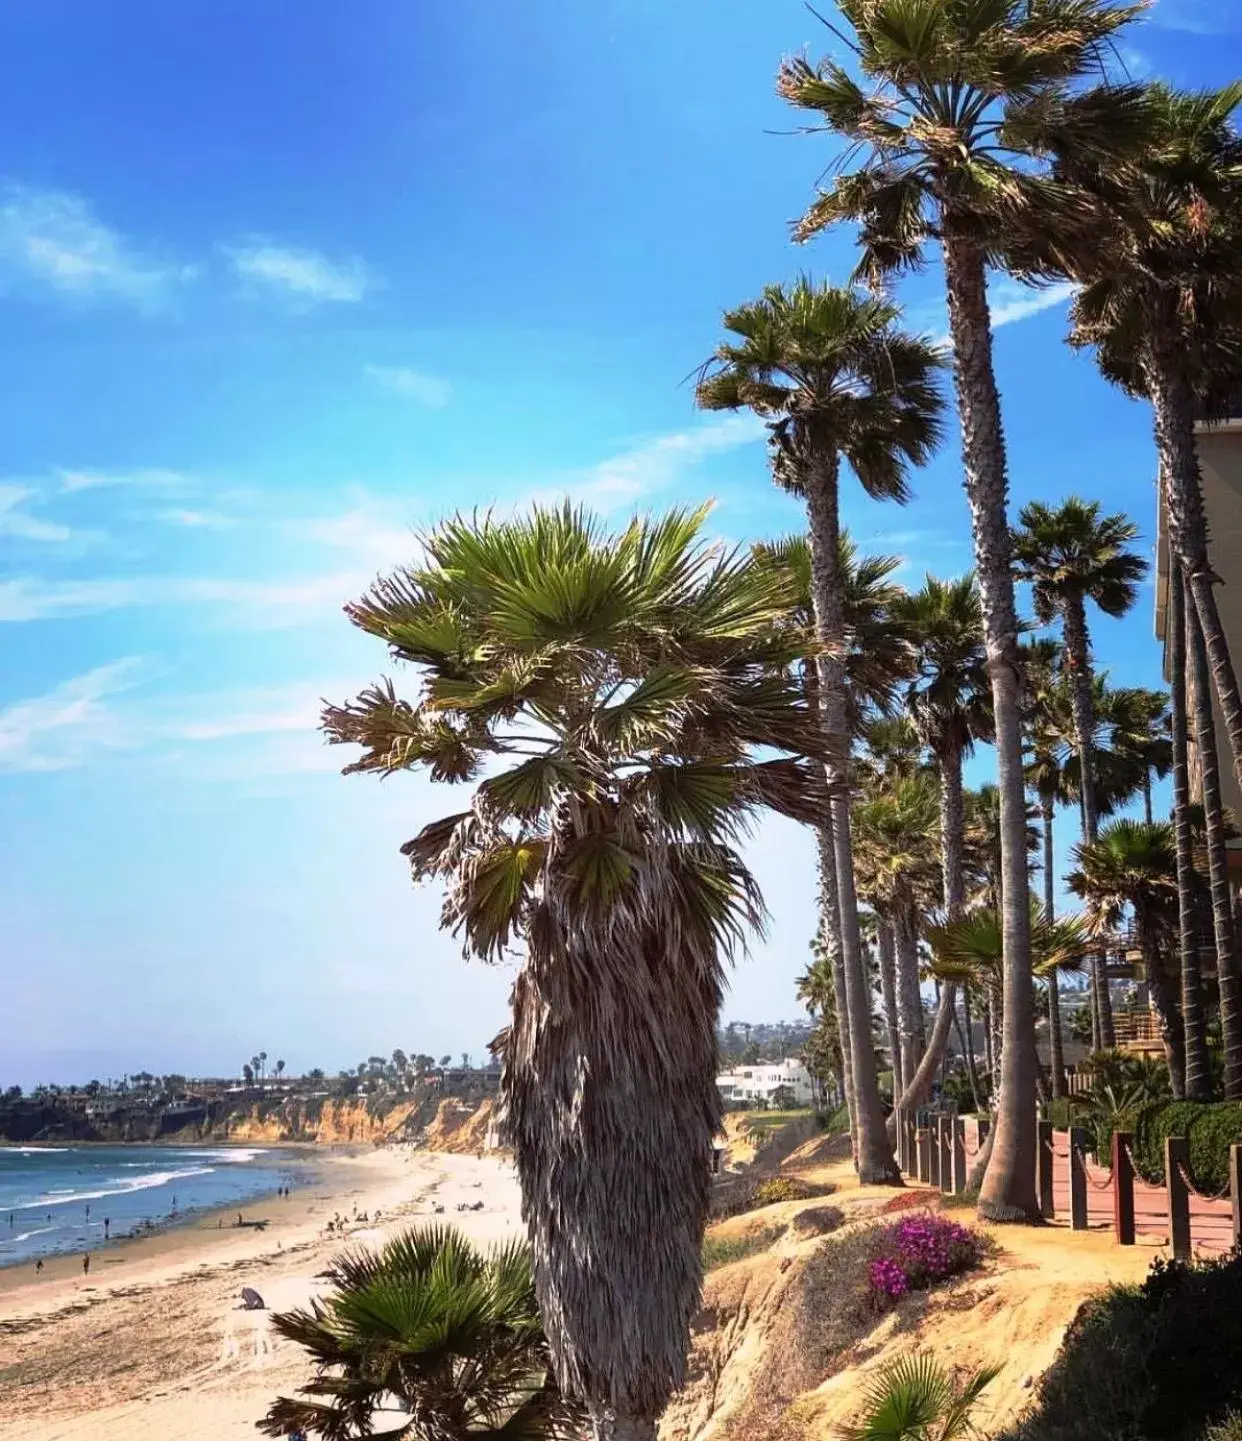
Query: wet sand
column 154, row 1344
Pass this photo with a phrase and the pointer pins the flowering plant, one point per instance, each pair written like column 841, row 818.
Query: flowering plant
column 917, row 1251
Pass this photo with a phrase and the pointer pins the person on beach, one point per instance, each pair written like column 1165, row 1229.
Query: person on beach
column 38, row 1265
column 88, row 1213
column 86, row 1264
column 107, row 1223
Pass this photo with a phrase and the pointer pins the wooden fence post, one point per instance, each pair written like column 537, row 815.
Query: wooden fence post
column 899, row 1135
column 1043, row 1170
column 912, row 1127
column 958, row 1165
column 1176, row 1164
column 1123, row 1189
column 1078, row 1178
column 1235, row 1191
column 946, row 1152
column 923, row 1145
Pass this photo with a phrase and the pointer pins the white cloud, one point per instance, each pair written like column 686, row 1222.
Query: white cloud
column 626, row 478
column 364, row 532
column 1197, row 17
column 57, row 729
column 1010, row 302
column 303, row 275
column 52, row 238
column 260, row 602
column 197, row 519
column 72, row 481
column 18, row 523
column 429, row 390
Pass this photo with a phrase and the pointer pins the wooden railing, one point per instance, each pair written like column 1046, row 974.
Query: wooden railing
column 1136, row 1028
column 940, row 1151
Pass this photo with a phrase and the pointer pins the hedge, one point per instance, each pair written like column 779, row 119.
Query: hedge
column 1210, row 1129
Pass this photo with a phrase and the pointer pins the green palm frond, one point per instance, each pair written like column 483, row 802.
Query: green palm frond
column 916, row 1399
column 1071, row 552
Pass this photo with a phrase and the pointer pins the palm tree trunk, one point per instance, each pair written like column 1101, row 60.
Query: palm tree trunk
column 885, row 944
column 908, row 1000
column 1173, row 402
column 1147, row 812
column 989, row 1030
column 830, row 935
column 1227, row 976
column 876, row 1164
column 1078, row 662
column 1009, row 1192
column 1164, row 1001
column 608, row 1426
column 971, row 1069
column 1198, row 1079
column 1056, row 1055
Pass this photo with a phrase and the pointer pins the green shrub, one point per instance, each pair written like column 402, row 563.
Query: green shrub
column 1230, row 1429
column 1152, row 1127
column 740, row 1194
column 836, row 1123
column 724, row 1250
column 1217, row 1128
column 1156, row 1362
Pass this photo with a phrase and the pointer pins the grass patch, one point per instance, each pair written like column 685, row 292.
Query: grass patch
column 769, row 1120
column 724, row 1250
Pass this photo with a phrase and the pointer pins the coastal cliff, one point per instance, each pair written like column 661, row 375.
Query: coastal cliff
column 426, row 1116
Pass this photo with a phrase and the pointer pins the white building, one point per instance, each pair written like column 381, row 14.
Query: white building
column 756, row 1085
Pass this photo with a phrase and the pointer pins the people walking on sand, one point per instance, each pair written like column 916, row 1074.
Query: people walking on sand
column 239, row 1218
column 38, row 1265
column 86, row 1264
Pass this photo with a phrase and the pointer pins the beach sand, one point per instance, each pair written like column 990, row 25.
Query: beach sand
column 154, row 1345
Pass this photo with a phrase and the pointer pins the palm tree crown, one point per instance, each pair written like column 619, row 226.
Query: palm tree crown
column 831, row 371
column 1070, row 552
column 620, row 704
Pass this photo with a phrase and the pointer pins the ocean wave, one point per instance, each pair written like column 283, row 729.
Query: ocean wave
column 40, row 1231
column 123, row 1186
column 37, row 1150
column 233, row 1156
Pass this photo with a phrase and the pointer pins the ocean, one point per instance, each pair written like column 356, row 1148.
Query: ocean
column 55, row 1199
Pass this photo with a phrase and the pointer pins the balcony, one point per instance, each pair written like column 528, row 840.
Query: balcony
column 1138, row 1032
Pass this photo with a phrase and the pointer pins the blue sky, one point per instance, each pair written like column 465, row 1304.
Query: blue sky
column 274, row 291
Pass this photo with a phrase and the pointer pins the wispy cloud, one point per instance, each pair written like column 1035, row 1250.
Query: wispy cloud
column 626, row 478
column 304, row 276
column 58, row 729
column 17, row 522
column 197, row 519
column 429, row 390
column 259, row 602
column 367, row 532
column 72, row 481
column 1198, row 17
column 1010, row 302
column 52, row 239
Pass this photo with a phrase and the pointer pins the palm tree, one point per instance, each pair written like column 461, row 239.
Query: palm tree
column 916, row 1399
column 1153, row 247
column 949, row 703
column 426, row 1338
column 1194, row 1020
column 877, row 656
column 956, row 99
column 1228, row 977
column 837, row 382
column 622, row 705
column 1132, row 865
column 1142, row 737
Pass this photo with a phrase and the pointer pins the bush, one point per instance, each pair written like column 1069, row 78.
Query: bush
column 1152, row 1127
column 736, row 1196
column 917, row 1251
column 724, row 1250
column 836, row 1123
column 1156, row 1362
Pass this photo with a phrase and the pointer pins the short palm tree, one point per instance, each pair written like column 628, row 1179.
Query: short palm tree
column 916, row 1399
column 837, row 382
column 954, row 101
column 1133, row 866
column 428, row 1339
column 621, row 707
column 1071, row 554
column 949, row 701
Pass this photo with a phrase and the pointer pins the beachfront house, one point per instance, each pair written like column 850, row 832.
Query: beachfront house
column 758, row 1086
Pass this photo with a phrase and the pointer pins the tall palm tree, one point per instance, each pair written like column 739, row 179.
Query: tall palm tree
column 940, row 134
column 427, row 1337
column 877, row 656
column 1153, row 244
column 1132, row 865
column 1194, row 1020
column 837, row 382
column 1228, row 975
column 949, row 703
column 1142, row 736
column 621, row 705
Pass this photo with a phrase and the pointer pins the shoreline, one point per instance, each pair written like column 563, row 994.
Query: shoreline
column 189, row 1219
column 155, row 1343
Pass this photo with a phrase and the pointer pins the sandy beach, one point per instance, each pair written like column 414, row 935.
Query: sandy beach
column 154, row 1345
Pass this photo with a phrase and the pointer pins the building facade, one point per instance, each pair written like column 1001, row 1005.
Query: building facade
column 757, row 1085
